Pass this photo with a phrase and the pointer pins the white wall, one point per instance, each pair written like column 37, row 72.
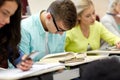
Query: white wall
column 37, row 5
column 101, row 6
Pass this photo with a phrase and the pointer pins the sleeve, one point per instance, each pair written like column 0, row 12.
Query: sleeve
column 25, row 41
column 108, row 36
column 19, row 58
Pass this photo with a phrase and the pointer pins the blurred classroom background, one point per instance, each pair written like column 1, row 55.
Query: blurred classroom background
column 32, row 6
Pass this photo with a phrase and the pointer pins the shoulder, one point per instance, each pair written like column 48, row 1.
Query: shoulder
column 73, row 30
column 106, row 18
column 31, row 19
column 97, row 24
column 31, row 23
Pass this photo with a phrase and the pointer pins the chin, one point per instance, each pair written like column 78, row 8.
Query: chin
column 92, row 22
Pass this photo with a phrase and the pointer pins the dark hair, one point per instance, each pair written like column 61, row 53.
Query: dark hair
column 10, row 34
column 65, row 11
column 105, row 69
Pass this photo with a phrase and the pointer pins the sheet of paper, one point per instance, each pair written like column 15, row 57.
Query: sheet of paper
column 9, row 74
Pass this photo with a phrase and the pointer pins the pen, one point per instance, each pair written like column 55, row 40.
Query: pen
column 32, row 55
column 113, row 48
column 109, row 48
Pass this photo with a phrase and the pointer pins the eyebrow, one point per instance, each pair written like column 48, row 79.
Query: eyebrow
column 8, row 12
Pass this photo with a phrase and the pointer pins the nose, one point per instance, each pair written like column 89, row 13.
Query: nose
column 93, row 17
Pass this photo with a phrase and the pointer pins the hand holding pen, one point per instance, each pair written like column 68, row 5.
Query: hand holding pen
column 114, row 48
column 27, row 62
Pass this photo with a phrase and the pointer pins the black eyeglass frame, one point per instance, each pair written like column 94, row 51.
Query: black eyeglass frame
column 58, row 30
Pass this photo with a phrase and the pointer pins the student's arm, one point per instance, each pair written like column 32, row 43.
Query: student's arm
column 108, row 36
column 17, row 61
column 22, row 62
column 25, row 41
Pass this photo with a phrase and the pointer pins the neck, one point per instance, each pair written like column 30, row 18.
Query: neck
column 84, row 27
column 85, row 30
column 42, row 17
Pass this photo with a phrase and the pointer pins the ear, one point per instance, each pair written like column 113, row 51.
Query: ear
column 49, row 16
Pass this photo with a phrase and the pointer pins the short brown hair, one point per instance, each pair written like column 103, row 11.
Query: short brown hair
column 64, row 10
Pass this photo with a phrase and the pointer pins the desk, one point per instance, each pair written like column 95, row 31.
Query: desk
column 67, row 74
column 102, row 51
column 36, row 70
column 64, row 75
column 74, row 73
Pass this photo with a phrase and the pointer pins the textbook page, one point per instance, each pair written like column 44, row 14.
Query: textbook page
column 87, row 60
column 65, row 56
column 10, row 74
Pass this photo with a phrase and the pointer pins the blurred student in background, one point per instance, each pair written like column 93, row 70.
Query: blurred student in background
column 10, row 16
column 111, row 20
column 44, row 31
column 88, row 32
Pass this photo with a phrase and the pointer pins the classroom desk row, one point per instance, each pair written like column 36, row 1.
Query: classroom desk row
column 61, row 72
column 74, row 69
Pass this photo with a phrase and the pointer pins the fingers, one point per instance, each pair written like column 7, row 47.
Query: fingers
column 118, row 45
column 25, row 64
column 24, row 57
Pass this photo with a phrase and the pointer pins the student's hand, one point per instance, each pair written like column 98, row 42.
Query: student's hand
column 118, row 45
column 25, row 64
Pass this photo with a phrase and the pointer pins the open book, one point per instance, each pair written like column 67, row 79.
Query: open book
column 65, row 57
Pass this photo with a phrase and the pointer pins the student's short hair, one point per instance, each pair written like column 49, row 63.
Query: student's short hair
column 64, row 10
column 105, row 69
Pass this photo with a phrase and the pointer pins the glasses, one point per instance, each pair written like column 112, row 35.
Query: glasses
column 58, row 29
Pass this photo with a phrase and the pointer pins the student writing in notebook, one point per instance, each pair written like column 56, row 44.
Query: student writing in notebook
column 88, row 32
column 10, row 16
column 44, row 31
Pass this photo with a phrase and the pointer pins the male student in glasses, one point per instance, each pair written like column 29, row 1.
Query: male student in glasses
column 44, row 31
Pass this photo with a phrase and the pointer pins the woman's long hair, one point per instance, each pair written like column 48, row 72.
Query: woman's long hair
column 10, row 34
